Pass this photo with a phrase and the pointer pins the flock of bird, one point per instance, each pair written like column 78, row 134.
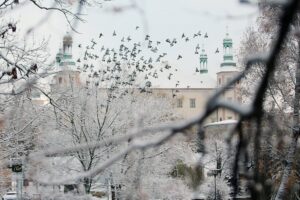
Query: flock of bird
column 135, row 58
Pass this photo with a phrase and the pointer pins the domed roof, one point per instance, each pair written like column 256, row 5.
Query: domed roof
column 68, row 38
column 227, row 40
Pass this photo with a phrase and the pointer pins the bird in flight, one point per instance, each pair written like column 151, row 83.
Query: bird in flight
column 147, row 37
column 217, row 51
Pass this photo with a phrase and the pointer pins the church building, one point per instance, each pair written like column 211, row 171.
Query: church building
column 187, row 101
column 191, row 101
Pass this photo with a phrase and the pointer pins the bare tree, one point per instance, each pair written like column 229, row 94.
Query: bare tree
column 86, row 115
column 253, row 112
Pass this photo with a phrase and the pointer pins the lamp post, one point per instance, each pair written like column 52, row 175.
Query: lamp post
column 214, row 172
column 17, row 168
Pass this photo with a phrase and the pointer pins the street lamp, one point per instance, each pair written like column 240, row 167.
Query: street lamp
column 214, row 172
column 16, row 165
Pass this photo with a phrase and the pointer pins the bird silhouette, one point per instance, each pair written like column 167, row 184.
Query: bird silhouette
column 167, row 66
column 135, row 56
column 206, row 36
column 217, row 50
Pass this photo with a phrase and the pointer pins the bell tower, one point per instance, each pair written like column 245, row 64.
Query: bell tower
column 225, row 74
column 64, row 57
column 67, row 44
column 203, row 62
column 228, row 52
column 68, row 75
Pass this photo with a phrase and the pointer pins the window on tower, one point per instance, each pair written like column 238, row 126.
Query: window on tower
column 179, row 103
column 60, row 80
column 192, row 103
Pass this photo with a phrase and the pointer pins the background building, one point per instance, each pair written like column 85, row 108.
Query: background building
column 67, row 73
column 191, row 101
column 187, row 101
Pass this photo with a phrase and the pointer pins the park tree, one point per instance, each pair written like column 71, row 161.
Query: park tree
column 84, row 115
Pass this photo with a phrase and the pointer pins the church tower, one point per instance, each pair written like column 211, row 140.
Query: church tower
column 203, row 62
column 228, row 52
column 64, row 57
column 65, row 66
column 227, row 71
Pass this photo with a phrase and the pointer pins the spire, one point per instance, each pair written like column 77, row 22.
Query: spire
column 203, row 61
column 228, row 53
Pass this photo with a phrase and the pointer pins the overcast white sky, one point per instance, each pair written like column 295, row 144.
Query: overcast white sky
column 165, row 19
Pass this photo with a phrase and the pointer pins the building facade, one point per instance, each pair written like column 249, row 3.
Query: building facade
column 191, row 101
column 187, row 102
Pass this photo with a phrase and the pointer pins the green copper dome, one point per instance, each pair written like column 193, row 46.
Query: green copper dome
column 227, row 41
column 64, row 56
column 228, row 53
